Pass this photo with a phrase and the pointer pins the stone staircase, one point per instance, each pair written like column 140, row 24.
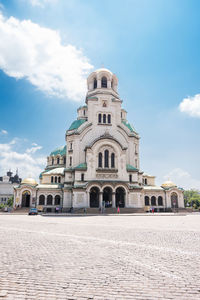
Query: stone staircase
column 111, row 210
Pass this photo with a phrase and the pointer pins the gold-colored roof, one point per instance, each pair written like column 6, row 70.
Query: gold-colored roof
column 29, row 181
column 168, row 184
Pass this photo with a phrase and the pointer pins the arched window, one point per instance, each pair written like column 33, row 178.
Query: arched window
column 145, row 181
column 146, row 200
column 106, row 157
column 104, row 118
column 41, row 199
column 58, row 161
column 59, row 179
column 55, row 179
column 153, row 200
column 64, row 160
column 160, row 200
column 100, row 160
column 95, row 83
column 109, row 119
column 51, row 179
column 49, row 200
column 112, row 160
column 104, row 82
column 70, row 161
column 57, row 200
column 99, row 119
column 52, row 161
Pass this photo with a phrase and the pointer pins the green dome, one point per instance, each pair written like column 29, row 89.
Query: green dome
column 76, row 124
column 60, row 150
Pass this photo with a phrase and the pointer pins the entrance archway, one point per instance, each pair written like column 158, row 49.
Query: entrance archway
column 94, row 197
column 107, row 197
column 120, row 197
column 26, row 196
column 174, row 200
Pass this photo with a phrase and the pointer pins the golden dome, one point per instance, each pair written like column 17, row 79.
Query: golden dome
column 168, row 184
column 29, row 181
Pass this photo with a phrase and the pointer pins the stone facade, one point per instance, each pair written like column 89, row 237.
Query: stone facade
column 100, row 164
column 7, row 183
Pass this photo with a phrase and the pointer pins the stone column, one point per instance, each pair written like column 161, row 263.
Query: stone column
column 113, row 200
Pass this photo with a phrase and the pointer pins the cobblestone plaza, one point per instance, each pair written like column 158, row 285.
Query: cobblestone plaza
column 100, row 257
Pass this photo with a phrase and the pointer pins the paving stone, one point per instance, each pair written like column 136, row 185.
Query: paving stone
column 100, row 257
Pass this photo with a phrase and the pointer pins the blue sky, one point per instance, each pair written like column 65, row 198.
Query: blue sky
column 47, row 49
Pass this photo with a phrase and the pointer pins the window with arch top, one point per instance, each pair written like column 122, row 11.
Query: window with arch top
column 104, row 82
column 106, row 158
column 112, row 160
column 104, row 118
column 99, row 118
column 109, row 119
column 100, row 160
column 95, row 83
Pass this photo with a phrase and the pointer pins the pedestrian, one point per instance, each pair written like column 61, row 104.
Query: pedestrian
column 118, row 210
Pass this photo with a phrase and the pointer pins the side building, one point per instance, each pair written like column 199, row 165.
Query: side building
column 7, row 183
column 100, row 164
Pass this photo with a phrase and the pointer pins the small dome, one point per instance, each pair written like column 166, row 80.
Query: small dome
column 29, row 181
column 60, row 150
column 103, row 70
column 168, row 184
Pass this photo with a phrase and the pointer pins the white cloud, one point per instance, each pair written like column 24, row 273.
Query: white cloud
column 182, row 179
column 36, row 53
column 33, row 149
column 191, row 106
column 27, row 164
column 3, row 131
column 42, row 3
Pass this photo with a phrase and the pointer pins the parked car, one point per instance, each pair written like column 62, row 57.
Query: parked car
column 33, row 211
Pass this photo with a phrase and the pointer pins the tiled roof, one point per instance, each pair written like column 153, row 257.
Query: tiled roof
column 82, row 166
column 60, row 150
column 130, row 127
column 76, row 124
column 131, row 168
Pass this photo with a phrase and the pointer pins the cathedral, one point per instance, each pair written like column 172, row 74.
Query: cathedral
column 99, row 166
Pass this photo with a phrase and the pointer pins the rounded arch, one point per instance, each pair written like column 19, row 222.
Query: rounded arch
column 120, row 197
column 94, row 196
column 153, row 200
column 160, row 200
column 107, row 196
column 42, row 200
column 49, row 200
column 57, row 200
column 26, row 198
column 174, row 200
column 146, row 201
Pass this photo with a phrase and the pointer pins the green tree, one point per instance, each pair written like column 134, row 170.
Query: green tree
column 192, row 198
column 10, row 201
